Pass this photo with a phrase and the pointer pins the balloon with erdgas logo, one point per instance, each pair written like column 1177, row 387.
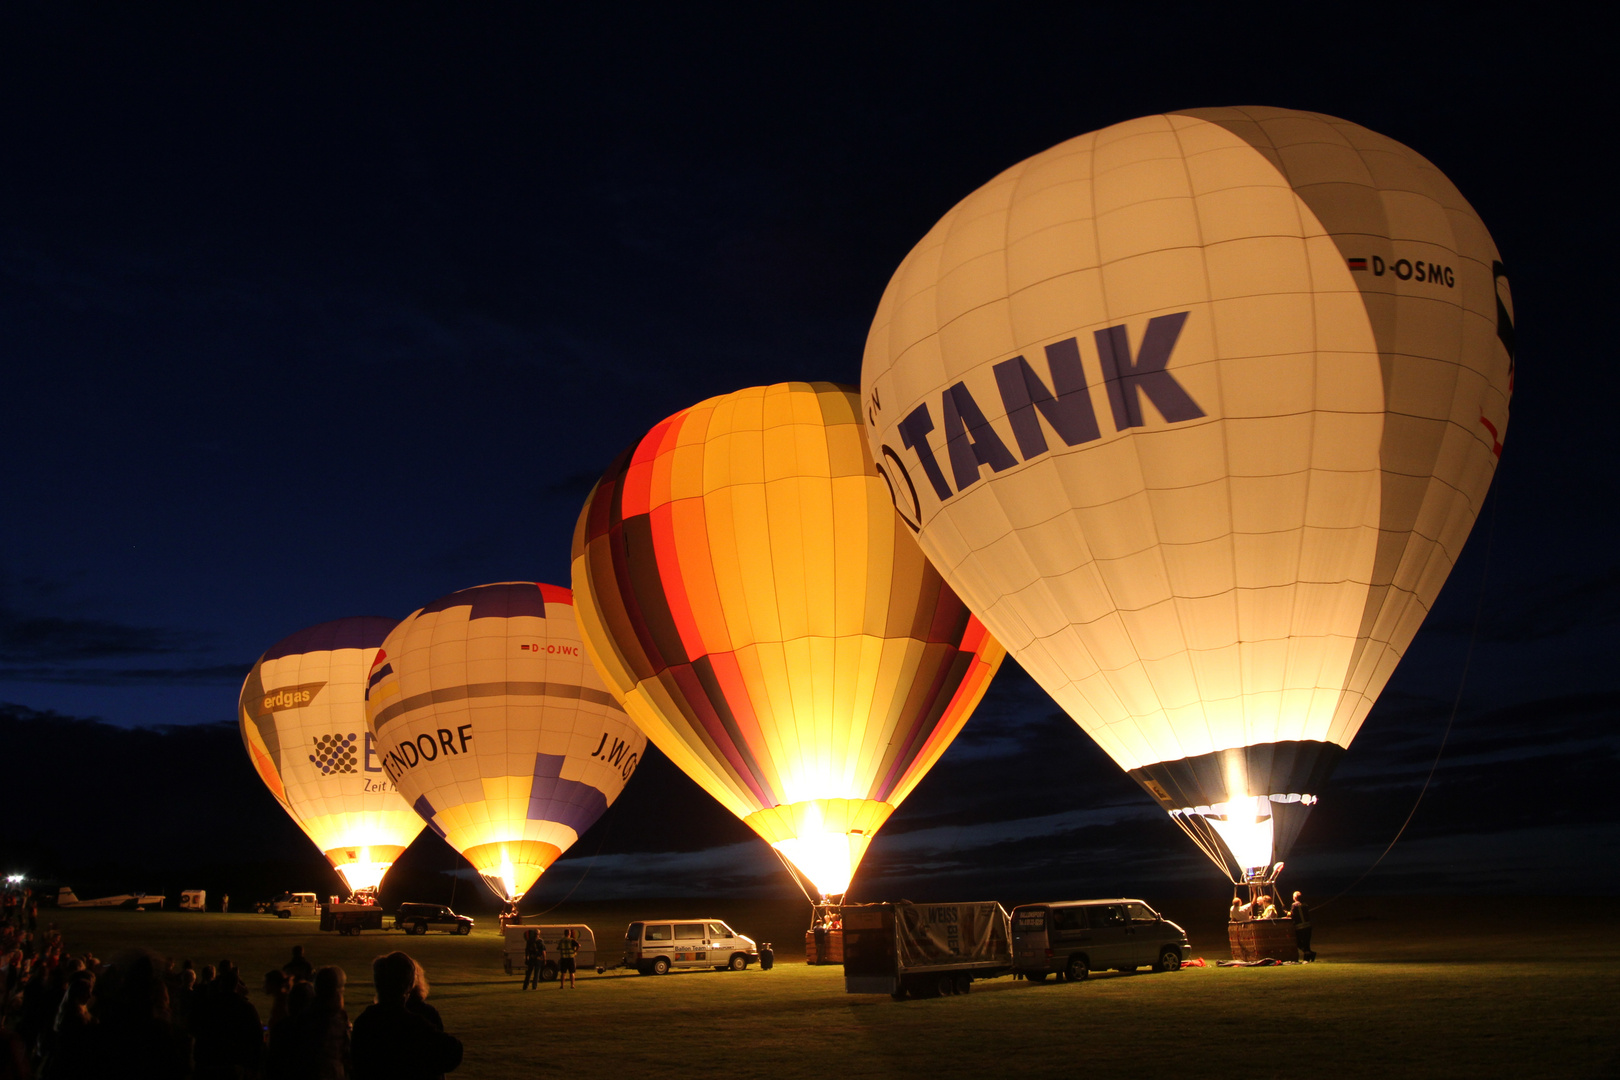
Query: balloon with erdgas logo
column 1196, row 413
column 303, row 721
column 497, row 729
column 747, row 590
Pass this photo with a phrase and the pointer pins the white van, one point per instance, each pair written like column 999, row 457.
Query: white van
column 193, row 900
column 301, row 904
column 515, row 936
column 653, row 946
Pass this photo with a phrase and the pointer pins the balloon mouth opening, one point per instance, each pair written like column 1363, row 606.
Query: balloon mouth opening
column 363, row 875
column 502, row 880
column 1245, row 827
column 825, row 859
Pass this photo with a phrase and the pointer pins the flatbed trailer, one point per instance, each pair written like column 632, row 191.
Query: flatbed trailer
column 350, row 919
column 924, row 950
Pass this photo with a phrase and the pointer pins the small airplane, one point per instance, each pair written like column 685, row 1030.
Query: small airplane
column 138, row 901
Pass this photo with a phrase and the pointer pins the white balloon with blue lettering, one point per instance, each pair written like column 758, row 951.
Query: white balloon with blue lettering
column 302, row 716
column 1195, row 413
column 496, row 728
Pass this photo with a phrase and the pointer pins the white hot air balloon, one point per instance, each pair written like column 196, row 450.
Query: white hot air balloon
column 302, row 715
column 498, row 730
column 1195, row 413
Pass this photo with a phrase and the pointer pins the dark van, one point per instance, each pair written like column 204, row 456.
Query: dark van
column 1071, row 938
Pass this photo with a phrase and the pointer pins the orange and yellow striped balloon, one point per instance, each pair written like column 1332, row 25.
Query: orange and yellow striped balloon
column 746, row 588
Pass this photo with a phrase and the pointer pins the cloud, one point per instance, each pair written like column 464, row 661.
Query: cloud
column 28, row 638
column 573, row 488
column 1559, row 606
column 202, row 675
column 748, row 869
column 87, row 651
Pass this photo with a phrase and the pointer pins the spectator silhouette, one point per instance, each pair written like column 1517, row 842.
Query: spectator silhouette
column 393, row 1043
column 298, row 967
column 312, row 1043
column 13, row 1056
column 230, row 1041
column 416, row 1001
column 276, row 985
column 69, row 1054
column 133, row 1037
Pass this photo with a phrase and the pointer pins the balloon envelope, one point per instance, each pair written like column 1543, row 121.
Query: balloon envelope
column 1196, row 413
column 497, row 730
column 302, row 717
column 747, row 589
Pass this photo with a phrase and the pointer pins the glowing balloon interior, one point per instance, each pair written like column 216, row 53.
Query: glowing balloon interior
column 1196, row 413
column 747, row 589
column 302, row 715
column 497, row 729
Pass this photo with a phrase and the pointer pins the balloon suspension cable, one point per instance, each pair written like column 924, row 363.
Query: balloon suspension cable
column 798, row 879
column 589, row 866
column 1456, row 703
column 1208, row 843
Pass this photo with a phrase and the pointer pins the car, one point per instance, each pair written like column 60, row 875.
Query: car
column 420, row 918
column 1072, row 938
column 653, row 946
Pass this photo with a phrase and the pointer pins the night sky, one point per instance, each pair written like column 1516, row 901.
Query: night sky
column 309, row 314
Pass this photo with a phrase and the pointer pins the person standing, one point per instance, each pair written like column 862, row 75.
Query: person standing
column 567, row 948
column 299, row 969
column 1301, row 916
column 230, row 1038
column 416, row 1002
column 534, row 958
column 392, row 1043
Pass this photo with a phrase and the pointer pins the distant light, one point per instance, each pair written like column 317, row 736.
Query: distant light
column 15, row 879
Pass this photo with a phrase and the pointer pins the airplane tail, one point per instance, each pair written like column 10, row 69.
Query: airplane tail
column 64, row 895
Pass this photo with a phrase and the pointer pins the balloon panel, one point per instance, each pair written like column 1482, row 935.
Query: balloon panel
column 498, row 730
column 302, row 718
column 1196, row 413
column 745, row 585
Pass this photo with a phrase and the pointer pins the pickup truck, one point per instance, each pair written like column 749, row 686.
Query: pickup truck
column 924, row 950
column 289, row 904
column 420, row 918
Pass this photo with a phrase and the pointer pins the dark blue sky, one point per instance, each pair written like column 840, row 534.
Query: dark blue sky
column 313, row 313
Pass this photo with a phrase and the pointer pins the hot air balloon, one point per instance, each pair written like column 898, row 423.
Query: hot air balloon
column 1196, row 413
column 748, row 591
column 302, row 714
column 498, row 731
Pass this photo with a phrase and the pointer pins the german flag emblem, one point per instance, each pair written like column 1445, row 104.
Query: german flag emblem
column 1358, row 264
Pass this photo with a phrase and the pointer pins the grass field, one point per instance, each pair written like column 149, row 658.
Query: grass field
column 1404, row 988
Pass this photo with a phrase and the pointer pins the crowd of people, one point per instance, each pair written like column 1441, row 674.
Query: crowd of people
column 66, row 1016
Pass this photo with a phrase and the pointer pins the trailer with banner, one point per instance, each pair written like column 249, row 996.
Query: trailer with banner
column 924, row 950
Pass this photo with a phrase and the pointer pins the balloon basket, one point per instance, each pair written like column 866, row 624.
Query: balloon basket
column 824, row 941
column 1252, row 935
column 824, row 946
column 1262, row 939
